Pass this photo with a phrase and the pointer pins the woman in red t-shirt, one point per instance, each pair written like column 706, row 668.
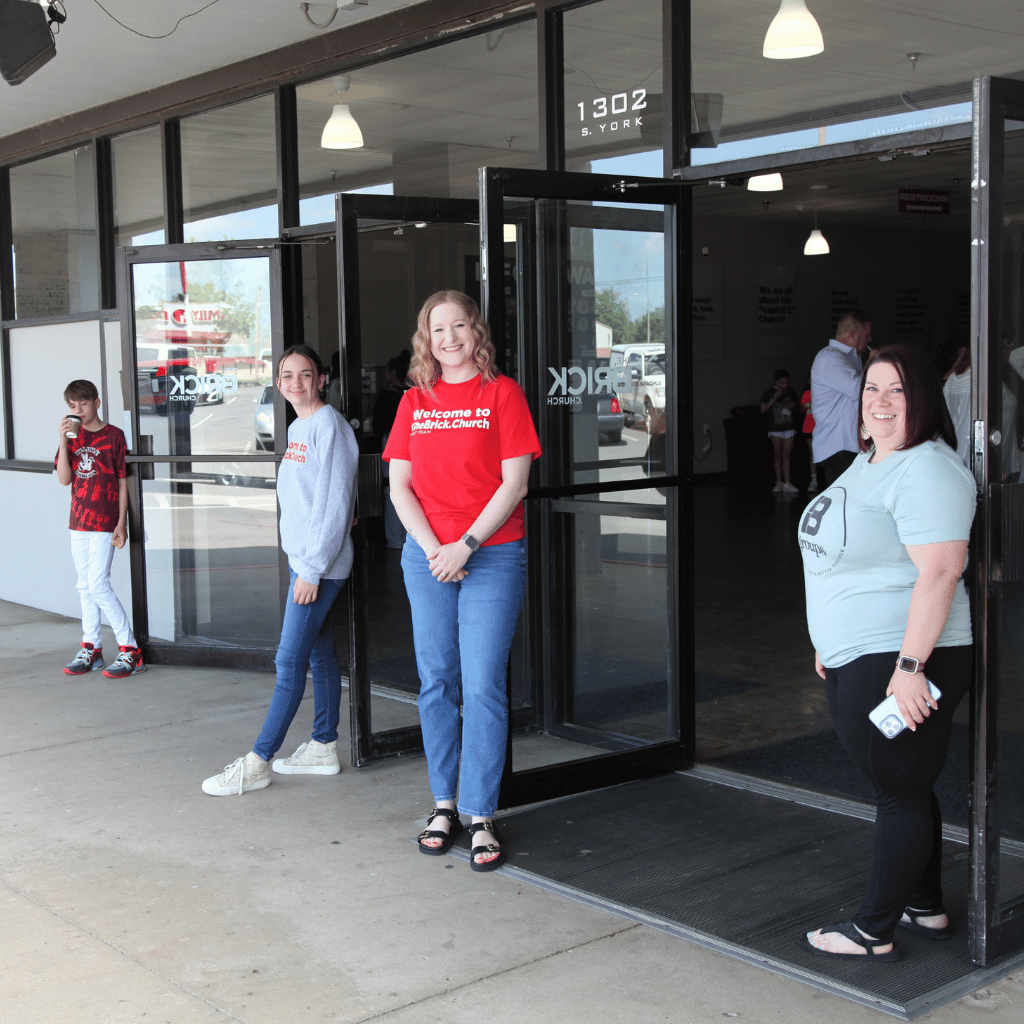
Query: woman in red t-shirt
column 460, row 453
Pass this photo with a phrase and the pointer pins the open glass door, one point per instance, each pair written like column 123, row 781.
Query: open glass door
column 201, row 325
column 600, row 685
column 997, row 337
column 392, row 253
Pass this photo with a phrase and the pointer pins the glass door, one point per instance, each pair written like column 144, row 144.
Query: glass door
column 997, row 336
column 392, row 253
column 601, row 685
column 201, row 326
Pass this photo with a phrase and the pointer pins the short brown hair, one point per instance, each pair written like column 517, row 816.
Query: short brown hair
column 425, row 370
column 82, row 390
column 927, row 416
column 849, row 320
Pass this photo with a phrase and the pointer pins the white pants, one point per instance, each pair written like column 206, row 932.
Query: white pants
column 93, row 553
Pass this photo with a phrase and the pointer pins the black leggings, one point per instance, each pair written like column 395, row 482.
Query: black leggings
column 906, row 867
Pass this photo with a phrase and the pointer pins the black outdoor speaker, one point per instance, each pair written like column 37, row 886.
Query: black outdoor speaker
column 25, row 40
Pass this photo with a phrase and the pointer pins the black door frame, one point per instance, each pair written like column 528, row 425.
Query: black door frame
column 542, row 302
column 140, row 463
column 368, row 746
column 997, row 928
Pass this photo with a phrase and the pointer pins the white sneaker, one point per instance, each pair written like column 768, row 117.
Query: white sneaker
column 778, row 487
column 812, row 486
column 249, row 772
column 312, row 758
column 788, row 488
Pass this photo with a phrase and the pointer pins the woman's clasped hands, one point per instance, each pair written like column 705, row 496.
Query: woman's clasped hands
column 447, row 562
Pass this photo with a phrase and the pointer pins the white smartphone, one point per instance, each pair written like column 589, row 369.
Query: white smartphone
column 887, row 715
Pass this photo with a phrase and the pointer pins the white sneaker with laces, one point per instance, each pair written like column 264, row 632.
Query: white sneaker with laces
column 249, row 772
column 312, row 758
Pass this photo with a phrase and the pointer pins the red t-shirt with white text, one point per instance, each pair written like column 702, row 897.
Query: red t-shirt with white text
column 97, row 464
column 456, row 440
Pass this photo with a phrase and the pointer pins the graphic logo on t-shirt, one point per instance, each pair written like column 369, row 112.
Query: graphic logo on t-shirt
column 449, row 419
column 823, row 549
column 86, row 462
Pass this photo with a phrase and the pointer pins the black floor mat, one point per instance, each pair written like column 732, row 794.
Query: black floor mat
column 819, row 762
column 744, row 873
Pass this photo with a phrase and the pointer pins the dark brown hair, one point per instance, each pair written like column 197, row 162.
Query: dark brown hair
column 927, row 416
column 82, row 390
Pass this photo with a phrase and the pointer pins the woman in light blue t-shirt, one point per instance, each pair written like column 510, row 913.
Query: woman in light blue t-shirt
column 884, row 548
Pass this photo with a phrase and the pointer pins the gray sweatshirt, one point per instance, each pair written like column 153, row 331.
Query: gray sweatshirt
column 316, row 489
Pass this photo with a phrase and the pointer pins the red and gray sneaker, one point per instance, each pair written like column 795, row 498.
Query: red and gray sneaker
column 128, row 663
column 88, row 659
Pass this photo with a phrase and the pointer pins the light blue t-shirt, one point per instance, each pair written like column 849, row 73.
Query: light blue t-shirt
column 858, row 577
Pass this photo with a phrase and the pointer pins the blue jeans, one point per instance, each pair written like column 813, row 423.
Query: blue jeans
column 307, row 641
column 463, row 633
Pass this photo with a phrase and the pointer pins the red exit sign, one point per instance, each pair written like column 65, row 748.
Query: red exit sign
column 923, row 203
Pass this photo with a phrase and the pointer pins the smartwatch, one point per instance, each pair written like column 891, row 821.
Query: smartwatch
column 909, row 665
column 471, row 542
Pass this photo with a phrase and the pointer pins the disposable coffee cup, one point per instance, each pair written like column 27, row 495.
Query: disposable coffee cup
column 76, row 426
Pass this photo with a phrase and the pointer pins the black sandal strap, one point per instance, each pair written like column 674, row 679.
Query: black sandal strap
column 483, row 826
column 443, row 812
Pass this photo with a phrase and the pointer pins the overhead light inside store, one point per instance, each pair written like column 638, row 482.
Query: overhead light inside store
column 765, row 183
column 816, row 244
column 793, row 33
column 341, row 130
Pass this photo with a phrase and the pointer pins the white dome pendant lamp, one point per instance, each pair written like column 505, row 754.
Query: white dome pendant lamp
column 793, row 33
column 341, row 130
column 816, row 244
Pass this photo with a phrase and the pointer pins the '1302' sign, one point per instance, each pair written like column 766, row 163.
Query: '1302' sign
column 613, row 112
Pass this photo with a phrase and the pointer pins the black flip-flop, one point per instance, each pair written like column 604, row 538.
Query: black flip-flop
column 922, row 929
column 447, row 838
column 849, row 930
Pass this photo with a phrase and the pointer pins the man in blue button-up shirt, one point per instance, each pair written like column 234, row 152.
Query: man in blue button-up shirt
column 835, row 394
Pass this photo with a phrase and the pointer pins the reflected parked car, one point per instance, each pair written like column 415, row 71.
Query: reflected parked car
column 610, row 418
column 265, row 419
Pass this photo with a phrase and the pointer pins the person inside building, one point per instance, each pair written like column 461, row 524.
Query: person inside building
column 884, row 549
column 384, row 411
column 779, row 403
column 460, row 452
column 835, row 385
column 316, row 487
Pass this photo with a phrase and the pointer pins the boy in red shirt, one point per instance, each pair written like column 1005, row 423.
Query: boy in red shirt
column 91, row 457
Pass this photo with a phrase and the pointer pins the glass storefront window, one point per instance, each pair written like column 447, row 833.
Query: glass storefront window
column 56, row 252
column 427, row 121
column 203, row 357
column 138, row 188
column 870, row 81
column 613, row 82
column 211, row 553
column 229, row 172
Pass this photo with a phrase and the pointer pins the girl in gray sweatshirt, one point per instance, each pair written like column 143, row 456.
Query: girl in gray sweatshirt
column 316, row 493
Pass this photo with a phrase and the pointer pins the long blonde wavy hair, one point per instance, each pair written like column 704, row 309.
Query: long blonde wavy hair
column 425, row 370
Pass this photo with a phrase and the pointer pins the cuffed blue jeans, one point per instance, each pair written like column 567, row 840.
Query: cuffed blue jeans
column 307, row 641
column 462, row 633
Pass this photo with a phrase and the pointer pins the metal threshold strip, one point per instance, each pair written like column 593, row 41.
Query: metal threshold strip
column 690, row 876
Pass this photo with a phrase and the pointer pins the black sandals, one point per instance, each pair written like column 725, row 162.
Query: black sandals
column 447, row 838
column 475, row 851
column 923, row 929
column 849, row 930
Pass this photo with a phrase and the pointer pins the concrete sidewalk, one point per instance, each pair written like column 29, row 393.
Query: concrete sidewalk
column 129, row 896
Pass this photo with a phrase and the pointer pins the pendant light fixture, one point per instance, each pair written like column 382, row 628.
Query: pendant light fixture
column 793, row 33
column 341, row 130
column 765, row 183
column 816, row 245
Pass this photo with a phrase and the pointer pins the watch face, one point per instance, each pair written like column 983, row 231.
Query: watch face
column 909, row 664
